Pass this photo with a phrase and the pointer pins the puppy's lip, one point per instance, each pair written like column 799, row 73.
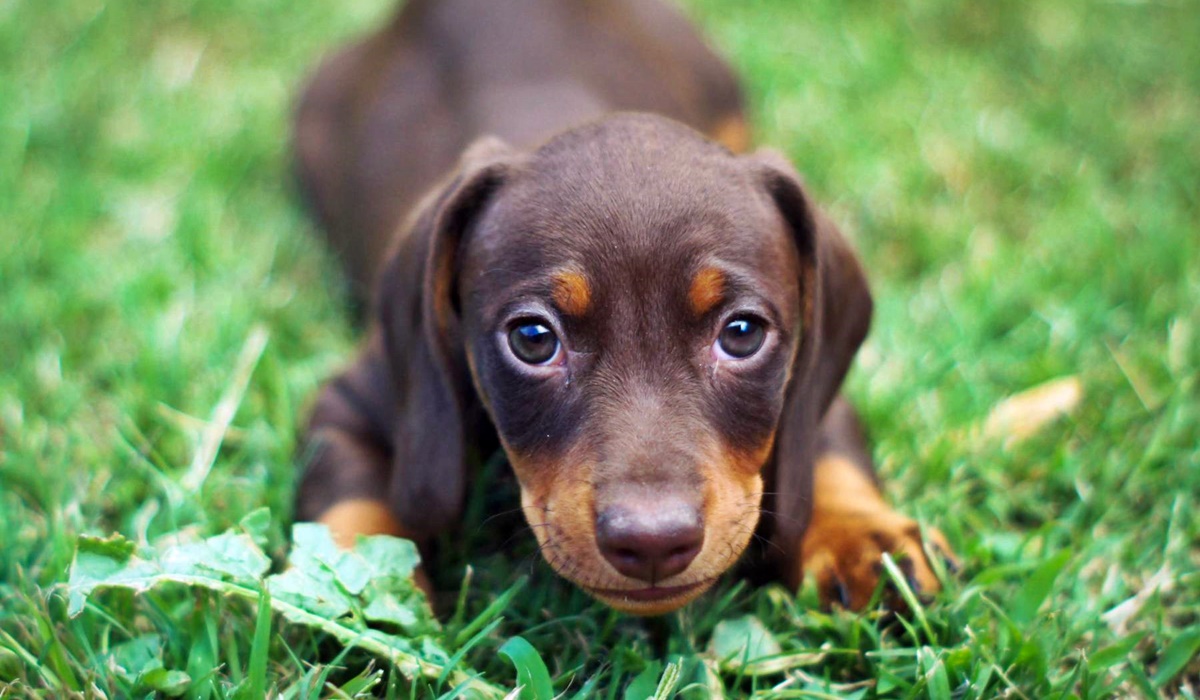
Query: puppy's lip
column 638, row 597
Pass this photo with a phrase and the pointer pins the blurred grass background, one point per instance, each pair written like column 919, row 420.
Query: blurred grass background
column 1021, row 178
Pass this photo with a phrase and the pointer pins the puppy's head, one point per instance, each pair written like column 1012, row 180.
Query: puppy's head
column 642, row 316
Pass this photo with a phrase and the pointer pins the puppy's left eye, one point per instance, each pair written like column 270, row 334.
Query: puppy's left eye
column 741, row 338
column 533, row 343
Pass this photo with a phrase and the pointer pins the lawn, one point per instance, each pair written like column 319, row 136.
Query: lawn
column 1022, row 179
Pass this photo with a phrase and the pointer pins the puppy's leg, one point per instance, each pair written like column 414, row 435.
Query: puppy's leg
column 851, row 525
column 348, row 508
column 349, row 469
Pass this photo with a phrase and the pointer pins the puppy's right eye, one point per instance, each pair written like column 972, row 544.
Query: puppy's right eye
column 741, row 338
column 533, row 343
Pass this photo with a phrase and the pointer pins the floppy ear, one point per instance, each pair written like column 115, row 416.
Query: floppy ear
column 436, row 414
column 836, row 314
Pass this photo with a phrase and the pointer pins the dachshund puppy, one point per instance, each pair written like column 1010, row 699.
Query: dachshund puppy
column 654, row 326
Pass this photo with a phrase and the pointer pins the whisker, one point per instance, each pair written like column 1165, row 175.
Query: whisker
column 501, row 514
column 779, row 516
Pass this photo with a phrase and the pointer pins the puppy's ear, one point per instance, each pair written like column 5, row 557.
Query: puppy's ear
column 836, row 314
column 436, row 415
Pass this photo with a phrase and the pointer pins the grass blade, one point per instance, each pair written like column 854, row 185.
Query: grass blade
column 497, row 606
column 1037, row 588
column 255, row 685
column 1176, row 656
column 532, row 675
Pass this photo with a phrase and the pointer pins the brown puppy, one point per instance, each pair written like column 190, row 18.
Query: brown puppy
column 654, row 328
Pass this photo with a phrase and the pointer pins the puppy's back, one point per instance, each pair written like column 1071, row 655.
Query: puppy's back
column 386, row 118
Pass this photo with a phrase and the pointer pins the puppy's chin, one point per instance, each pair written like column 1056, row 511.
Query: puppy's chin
column 647, row 602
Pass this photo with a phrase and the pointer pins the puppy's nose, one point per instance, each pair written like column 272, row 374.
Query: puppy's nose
column 650, row 541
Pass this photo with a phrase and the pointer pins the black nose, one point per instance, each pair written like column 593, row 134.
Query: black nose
column 650, row 541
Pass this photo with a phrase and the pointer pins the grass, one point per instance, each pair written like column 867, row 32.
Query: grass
column 1021, row 178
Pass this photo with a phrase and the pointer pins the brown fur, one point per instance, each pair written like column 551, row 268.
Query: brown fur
column 646, row 460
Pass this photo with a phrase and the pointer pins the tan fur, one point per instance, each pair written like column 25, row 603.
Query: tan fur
column 851, row 528
column 571, row 293
column 732, row 133
column 558, row 502
column 359, row 516
column 706, row 289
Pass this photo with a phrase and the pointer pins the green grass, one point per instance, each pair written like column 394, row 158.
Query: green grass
column 1023, row 180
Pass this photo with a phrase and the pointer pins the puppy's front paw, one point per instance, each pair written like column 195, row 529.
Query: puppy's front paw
column 843, row 552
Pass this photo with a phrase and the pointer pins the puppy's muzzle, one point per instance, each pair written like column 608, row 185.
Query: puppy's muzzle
column 650, row 537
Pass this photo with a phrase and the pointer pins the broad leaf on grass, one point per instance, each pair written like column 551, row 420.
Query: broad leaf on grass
column 328, row 580
column 233, row 557
column 107, row 561
column 311, row 589
column 139, row 661
column 169, row 683
column 390, row 562
column 389, row 557
column 257, row 524
column 313, row 550
column 388, row 609
column 742, row 641
column 130, row 657
column 333, row 591
column 114, row 562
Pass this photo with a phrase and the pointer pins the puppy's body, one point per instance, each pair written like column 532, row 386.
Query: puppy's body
column 386, row 118
column 653, row 328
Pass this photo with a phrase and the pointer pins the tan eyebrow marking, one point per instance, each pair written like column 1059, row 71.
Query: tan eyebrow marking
column 572, row 293
column 707, row 287
column 732, row 133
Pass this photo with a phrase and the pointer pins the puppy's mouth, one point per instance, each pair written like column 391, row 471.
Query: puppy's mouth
column 567, row 543
column 651, row 600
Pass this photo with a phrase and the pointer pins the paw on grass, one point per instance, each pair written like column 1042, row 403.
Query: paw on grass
column 844, row 555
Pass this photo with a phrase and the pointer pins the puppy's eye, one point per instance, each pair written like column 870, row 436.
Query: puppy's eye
column 533, row 343
column 741, row 337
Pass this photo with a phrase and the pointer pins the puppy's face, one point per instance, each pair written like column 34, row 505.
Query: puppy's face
column 631, row 310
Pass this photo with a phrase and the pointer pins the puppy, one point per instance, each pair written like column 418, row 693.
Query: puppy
column 654, row 326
